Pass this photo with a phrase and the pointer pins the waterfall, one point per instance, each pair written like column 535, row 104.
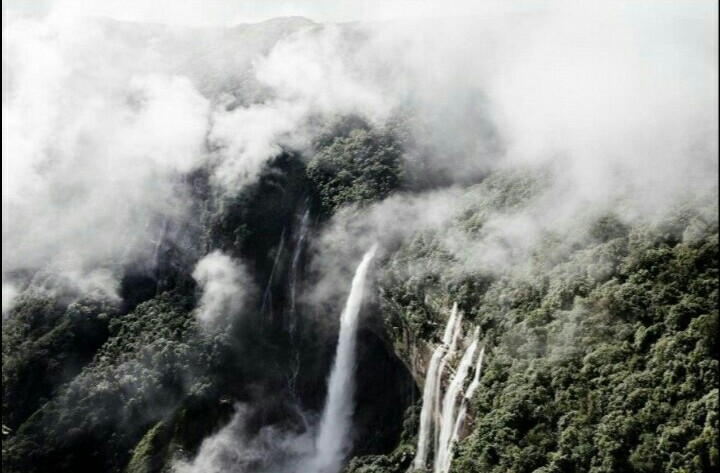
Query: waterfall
column 456, row 331
column 431, row 391
column 294, row 270
column 427, row 407
column 290, row 313
column 333, row 436
column 267, row 295
column 463, row 409
column 450, row 327
column 447, row 417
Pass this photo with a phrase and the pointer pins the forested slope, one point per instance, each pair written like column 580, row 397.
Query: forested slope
column 602, row 343
column 196, row 201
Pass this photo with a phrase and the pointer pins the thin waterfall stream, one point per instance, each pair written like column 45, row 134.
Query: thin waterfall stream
column 443, row 415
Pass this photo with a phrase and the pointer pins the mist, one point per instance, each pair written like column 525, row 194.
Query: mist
column 598, row 110
column 225, row 287
column 586, row 110
column 615, row 98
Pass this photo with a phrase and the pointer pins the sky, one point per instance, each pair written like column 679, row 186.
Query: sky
column 232, row 12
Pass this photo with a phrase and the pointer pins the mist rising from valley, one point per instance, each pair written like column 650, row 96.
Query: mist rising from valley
column 189, row 212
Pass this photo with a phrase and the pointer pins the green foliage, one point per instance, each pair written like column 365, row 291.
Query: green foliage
column 141, row 461
column 361, row 167
column 604, row 352
column 45, row 343
column 249, row 223
column 154, row 355
column 603, row 341
column 397, row 462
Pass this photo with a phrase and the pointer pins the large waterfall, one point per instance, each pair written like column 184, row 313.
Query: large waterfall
column 333, row 436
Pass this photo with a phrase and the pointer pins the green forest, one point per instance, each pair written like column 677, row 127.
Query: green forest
column 480, row 242
column 602, row 346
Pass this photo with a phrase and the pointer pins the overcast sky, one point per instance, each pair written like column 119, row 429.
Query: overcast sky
column 231, row 12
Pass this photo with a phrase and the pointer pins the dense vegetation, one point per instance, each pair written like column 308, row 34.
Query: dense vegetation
column 362, row 167
column 602, row 340
column 603, row 355
column 139, row 371
column 91, row 384
column 46, row 346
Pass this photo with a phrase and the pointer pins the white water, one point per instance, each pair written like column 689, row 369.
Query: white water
column 333, row 437
column 447, row 417
column 427, row 408
column 430, row 391
column 456, row 331
column 463, row 409
column 450, row 327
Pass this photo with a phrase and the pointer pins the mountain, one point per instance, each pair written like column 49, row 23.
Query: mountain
column 287, row 246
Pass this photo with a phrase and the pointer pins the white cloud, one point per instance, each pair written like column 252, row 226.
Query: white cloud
column 233, row 449
column 92, row 150
column 99, row 121
column 9, row 293
column 307, row 76
column 225, row 286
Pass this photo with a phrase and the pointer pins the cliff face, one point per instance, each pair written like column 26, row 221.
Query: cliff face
column 601, row 341
column 589, row 341
column 181, row 254
column 152, row 378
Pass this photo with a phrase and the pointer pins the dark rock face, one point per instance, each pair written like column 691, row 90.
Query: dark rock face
column 385, row 390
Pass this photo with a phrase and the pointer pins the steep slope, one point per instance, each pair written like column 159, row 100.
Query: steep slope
column 603, row 352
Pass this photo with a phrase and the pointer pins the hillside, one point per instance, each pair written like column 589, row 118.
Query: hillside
column 295, row 247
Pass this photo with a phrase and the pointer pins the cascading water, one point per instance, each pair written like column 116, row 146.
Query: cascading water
column 455, row 333
column 333, row 436
column 439, row 415
column 463, row 408
column 447, row 417
column 431, row 391
column 450, row 328
column 431, row 379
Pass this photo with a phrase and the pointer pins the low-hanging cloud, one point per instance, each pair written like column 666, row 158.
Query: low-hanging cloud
column 225, row 287
column 101, row 125
column 618, row 106
column 92, row 152
column 102, row 121
column 233, row 449
column 308, row 79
